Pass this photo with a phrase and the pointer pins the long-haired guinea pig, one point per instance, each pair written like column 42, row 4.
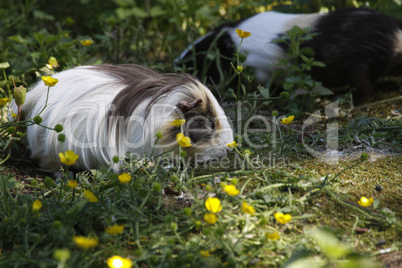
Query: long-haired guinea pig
column 109, row 111
column 359, row 46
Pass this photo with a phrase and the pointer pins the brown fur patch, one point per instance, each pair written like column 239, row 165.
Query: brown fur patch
column 142, row 83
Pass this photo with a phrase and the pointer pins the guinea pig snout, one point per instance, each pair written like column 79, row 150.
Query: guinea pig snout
column 228, row 150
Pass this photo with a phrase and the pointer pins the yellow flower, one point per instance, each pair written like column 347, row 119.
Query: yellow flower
column 90, row 196
column 85, row 242
column 13, row 115
column 72, row 184
column 68, row 158
column 213, row 204
column 239, row 68
column 86, row 43
column 247, row 152
column 37, row 204
column 119, row 262
column 272, row 236
column 178, row 122
column 183, row 141
column 114, row 229
column 231, row 190
column 232, row 144
column 249, row 209
column 49, row 81
column 287, row 120
column 204, row 253
column 62, row 254
column 211, row 218
column 282, row 218
column 52, row 63
column 365, row 202
column 4, row 101
column 124, row 178
column 242, row 34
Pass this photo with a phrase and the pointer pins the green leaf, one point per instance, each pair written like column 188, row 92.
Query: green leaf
column 329, row 243
column 264, row 91
column 318, row 64
column 157, row 11
column 124, row 3
column 38, row 14
column 306, row 59
column 244, row 89
column 19, row 39
column 139, row 13
column 308, row 51
column 77, row 207
column 323, row 91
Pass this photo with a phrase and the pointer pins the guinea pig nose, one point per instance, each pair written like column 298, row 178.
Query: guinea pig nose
column 228, row 150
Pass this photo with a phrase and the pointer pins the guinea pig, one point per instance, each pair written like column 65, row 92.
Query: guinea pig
column 359, row 47
column 109, row 111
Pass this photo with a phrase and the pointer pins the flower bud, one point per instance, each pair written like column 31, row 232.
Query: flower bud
column 58, row 128
column 37, row 119
column 19, row 95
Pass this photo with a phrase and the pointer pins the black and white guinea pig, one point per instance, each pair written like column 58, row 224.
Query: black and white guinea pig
column 359, row 46
column 109, row 111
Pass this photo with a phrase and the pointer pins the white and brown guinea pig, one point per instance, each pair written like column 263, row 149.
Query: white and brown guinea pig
column 109, row 111
column 359, row 46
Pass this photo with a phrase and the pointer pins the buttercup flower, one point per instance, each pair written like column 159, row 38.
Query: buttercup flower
column 247, row 152
column 68, row 158
column 52, row 63
column 213, row 204
column 124, row 178
column 178, row 122
column 272, row 236
column 242, row 34
column 231, row 190
column 49, row 81
column 204, row 253
column 13, row 115
column 72, row 184
column 239, row 68
column 287, row 120
column 232, row 144
column 114, row 229
column 4, row 101
column 86, row 43
column 90, row 196
column 119, row 262
column 249, row 209
column 183, row 141
column 37, row 204
column 365, row 202
column 210, row 218
column 85, row 242
column 282, row 218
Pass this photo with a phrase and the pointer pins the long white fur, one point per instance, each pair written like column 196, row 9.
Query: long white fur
column 81, row 101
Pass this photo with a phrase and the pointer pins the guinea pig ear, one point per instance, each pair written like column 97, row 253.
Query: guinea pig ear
column 185, row 106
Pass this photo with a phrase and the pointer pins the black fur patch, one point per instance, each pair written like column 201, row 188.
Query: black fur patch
column 217, row 40
column 357, row 46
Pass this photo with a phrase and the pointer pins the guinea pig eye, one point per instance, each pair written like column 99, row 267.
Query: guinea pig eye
column 211, row 124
